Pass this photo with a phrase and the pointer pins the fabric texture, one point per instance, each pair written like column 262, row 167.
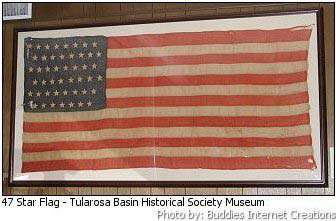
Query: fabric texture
column 212, row 100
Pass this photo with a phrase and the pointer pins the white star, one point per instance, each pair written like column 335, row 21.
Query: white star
column 62, row 105
column 94, row 44
column 52, row 81
column 84, row 66
column 29, row 45
column 39, row 69
column 56, row 46
column 89, row 104
column 38, row 47
column 84, row 91
column 52, row 104
column 56, row 93
column 43, row 105
column 60, row 81
column 34, row 57
column 98, row 54
column 71, row 55
column 65, row 68
column 94, row 66
column 65, row 46
column 30, row 93
column 85, row 45
column 47, row 47
column 31, row 104
column 100, row 78
column 75, row 67
column 80, row 104
column 47, row 93
column 52, row 57
column 30, row 69
column 75, row 92
column 81, row 55
column 43, row 82
column 89, row 78
column 93, row 91
column 47, row 69
column 44, row 58
column 35, row 82
column 79, row 79
column 75, row 45
column 61, row 56
column 56, row 68
column 71, row 80
column 38, row 94
column 65, row 92
column 71, row 104
column 90, row 54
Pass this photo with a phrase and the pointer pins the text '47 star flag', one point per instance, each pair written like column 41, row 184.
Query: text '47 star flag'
column 212, row 100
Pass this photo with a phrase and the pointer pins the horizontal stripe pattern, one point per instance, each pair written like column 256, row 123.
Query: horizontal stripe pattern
column 233, row 163
column 208, row 69
column 169, row 142
column 210, row 37
column 207, row 49
column 208, row 59
column 208, row 90
column 212, row 100
column 168, row 132
column 168, row 152
column 228, row 111
column 122, row 123
column 180, row 80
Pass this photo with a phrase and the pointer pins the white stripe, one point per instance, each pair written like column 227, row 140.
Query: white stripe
column 284, row 89
column 205, row 69
column 229, row 111
column 169, row 152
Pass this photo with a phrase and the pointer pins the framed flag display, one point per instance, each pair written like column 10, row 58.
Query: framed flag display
column 208, row 102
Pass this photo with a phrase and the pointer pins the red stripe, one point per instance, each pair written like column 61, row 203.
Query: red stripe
column 169, row 142
column 235, row 163
column 209, row 37
column 208, row 100
column 274, row 121
column 207, row 59
column 89, row 164
column 303, row 162
column 250, row 79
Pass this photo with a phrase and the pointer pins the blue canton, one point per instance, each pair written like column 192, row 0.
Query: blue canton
column 64, row 74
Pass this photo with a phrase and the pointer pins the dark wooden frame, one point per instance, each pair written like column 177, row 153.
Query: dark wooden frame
column 264, row 183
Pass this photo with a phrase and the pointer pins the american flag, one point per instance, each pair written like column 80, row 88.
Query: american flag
column 212, row 100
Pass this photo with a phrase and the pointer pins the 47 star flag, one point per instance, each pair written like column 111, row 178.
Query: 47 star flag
column 184, row 100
